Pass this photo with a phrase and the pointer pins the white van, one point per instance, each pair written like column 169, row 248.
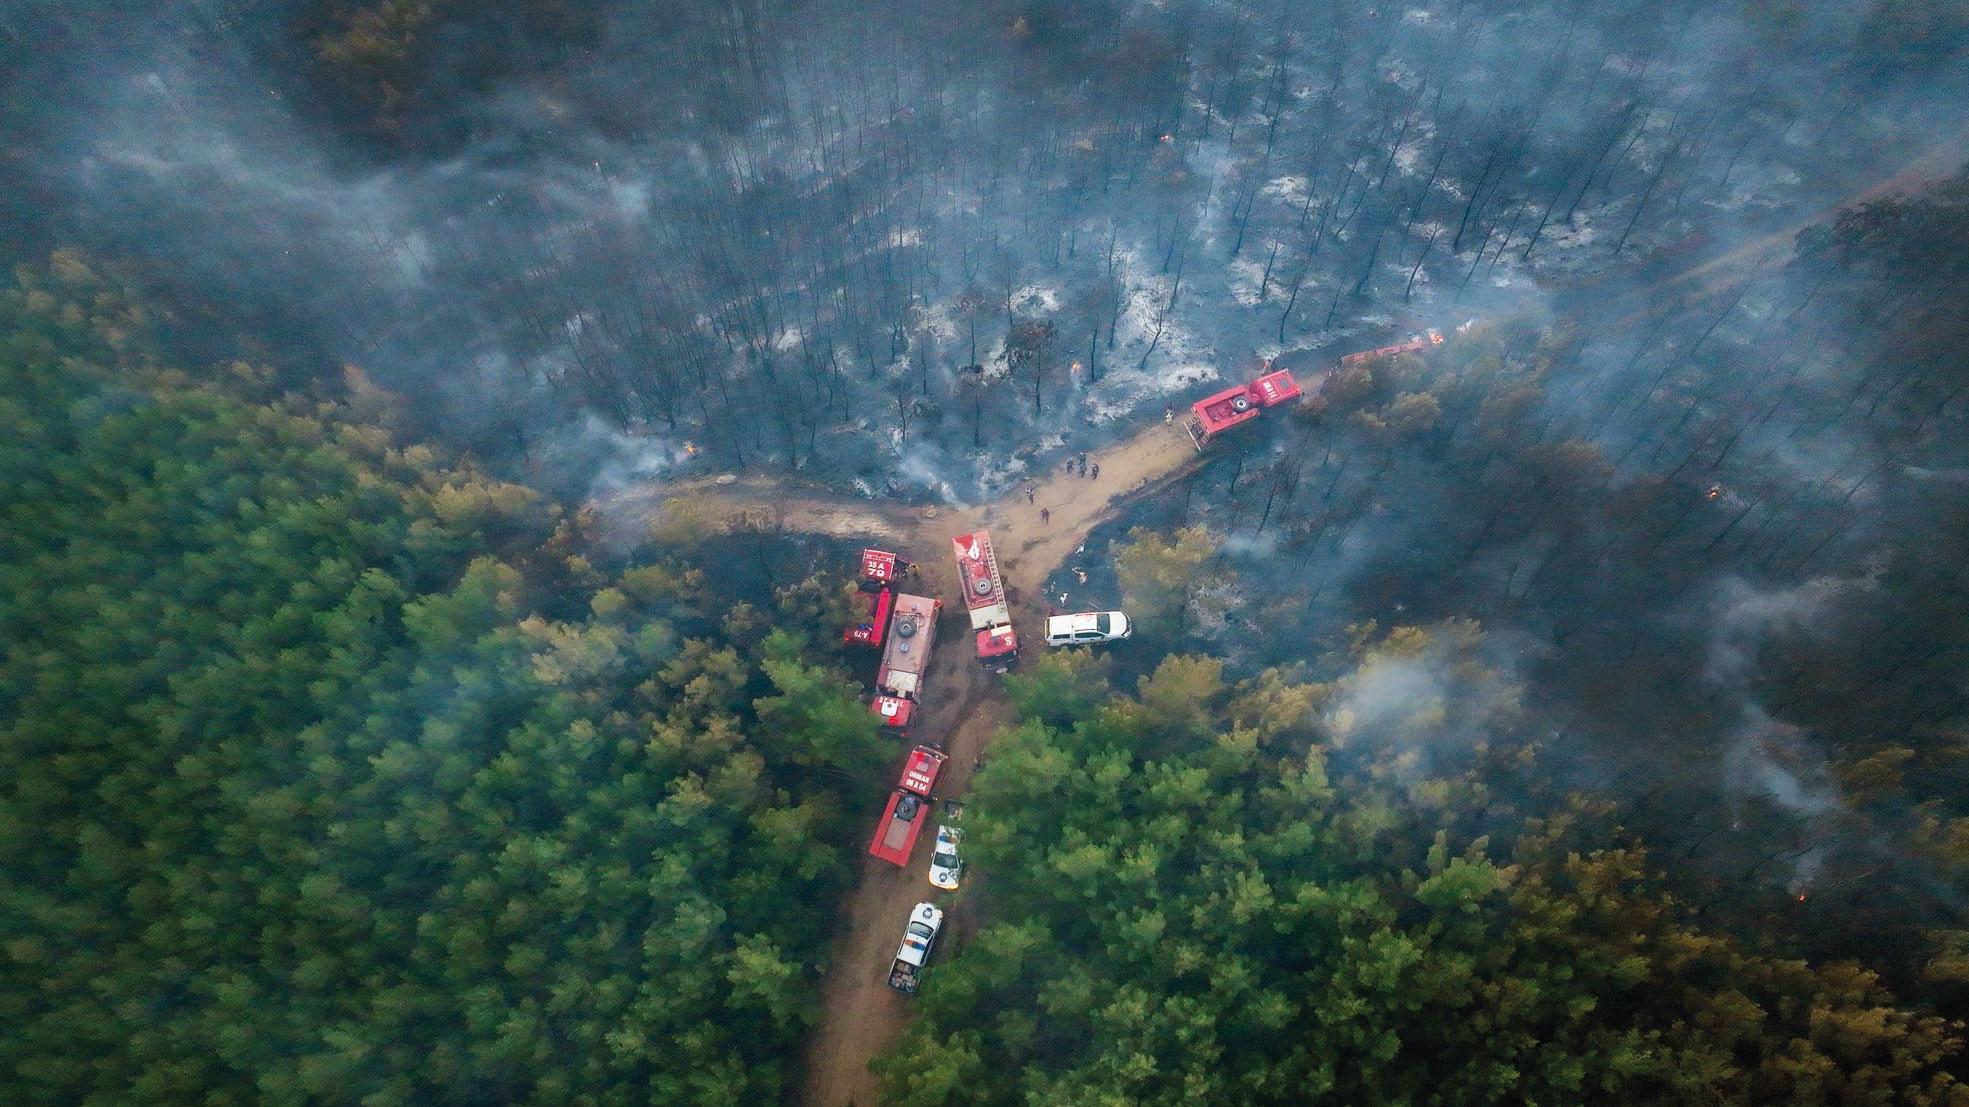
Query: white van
column 1087, row 627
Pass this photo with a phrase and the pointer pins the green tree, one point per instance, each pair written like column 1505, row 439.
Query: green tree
column 1162, row 575
column 307, row 797
column 1191, row 917
column 1061, row 686
column 818, row 710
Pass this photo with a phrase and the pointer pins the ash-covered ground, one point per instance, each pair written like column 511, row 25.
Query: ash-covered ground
column 598, row 243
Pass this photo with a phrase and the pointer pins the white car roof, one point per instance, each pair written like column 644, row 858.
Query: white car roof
column 914, row 950
column 1083, row 620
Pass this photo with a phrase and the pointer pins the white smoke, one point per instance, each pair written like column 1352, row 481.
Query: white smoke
column 619, row 460
column 1421, row 696
column 1764, row 756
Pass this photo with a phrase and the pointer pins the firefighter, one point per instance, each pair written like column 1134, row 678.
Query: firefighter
column 1097, row 471
column 1045, row 516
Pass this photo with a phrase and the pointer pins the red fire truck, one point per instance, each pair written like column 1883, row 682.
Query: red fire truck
column 899, row 680
column 1415, row 343
column 984, row 598
column 1213, row 415
column 879, row 570
column 909, row 807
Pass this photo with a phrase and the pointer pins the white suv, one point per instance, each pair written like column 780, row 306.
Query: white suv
column 1086, row 627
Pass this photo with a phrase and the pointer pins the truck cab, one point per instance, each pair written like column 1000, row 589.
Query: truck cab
column 919, row 936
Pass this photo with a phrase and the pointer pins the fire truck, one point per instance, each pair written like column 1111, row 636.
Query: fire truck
column 1232, row 407
column 984, row 599
column 906, row 657
column 1415, row 344
column 879, row 571
column 909, row 807
column 1213, row 415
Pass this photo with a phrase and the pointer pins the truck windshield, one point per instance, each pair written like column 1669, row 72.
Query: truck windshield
column 944, row 860
column 919, row 930
column 1101, row 622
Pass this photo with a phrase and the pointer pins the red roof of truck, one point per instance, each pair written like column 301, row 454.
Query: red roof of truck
column 878, row 565
column 919, row 773
column 998, row 641
column 1275, row 387
column 894, row 711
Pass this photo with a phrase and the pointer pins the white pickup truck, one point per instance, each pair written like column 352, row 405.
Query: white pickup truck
column 925, row 920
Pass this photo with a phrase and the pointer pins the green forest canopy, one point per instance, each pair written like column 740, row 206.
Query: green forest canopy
column 335, row 770
column 334, row 773
column 1202, row 897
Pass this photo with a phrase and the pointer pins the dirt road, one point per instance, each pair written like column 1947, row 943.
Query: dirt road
column 1938, row 161
column 966, row 704
column 860, row 1015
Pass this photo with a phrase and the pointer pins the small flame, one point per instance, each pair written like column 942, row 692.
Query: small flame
column 690, row 449
column 1168, row 138
column 1715, row 491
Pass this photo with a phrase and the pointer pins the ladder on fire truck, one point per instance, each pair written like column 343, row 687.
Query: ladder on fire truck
column 992, row 574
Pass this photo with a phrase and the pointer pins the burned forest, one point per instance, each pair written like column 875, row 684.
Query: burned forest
column 1377, row 553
